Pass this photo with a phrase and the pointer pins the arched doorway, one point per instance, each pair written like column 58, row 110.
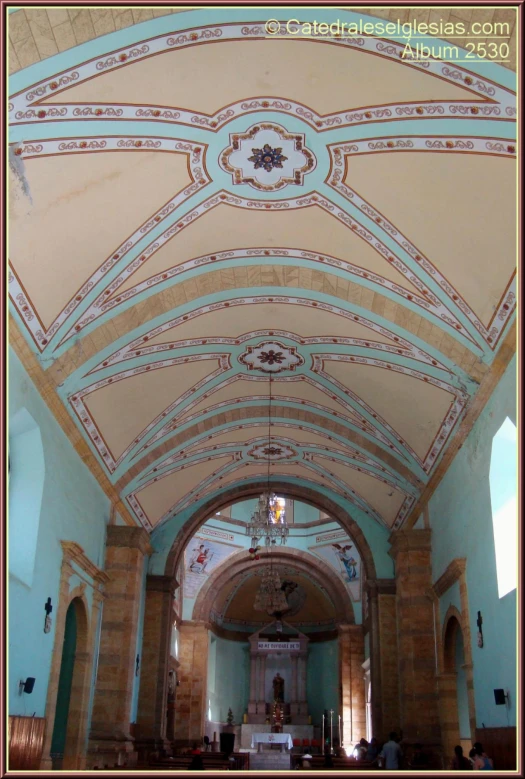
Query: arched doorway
column 457, row 721
column 65, row 738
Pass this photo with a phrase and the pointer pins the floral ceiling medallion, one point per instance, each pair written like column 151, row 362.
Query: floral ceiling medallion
column 267, row 157
column 272, row 452
column 271, row 357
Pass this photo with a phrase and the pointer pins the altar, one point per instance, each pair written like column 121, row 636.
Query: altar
column 302, row 732
column 284, row 739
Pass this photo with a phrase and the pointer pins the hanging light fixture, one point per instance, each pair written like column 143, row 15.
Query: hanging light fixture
column 268, row 522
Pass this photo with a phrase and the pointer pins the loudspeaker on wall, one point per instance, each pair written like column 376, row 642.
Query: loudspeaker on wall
column 499, row 697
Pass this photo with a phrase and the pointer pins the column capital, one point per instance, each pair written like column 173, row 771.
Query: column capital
column 453, row 572
column 380, row 587
column 130, row 537
column 409, row 540
column 161, row 583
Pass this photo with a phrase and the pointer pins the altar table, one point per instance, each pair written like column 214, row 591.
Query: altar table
column 284, row 739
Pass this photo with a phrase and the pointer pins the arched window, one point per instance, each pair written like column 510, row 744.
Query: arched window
column 503, row 485
column 26, row 486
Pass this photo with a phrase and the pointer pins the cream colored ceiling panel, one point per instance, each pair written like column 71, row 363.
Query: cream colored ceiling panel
column 299, row 390
column 385, row 499
column 157, row 498
column 74, row 210
column 123, row 409
column 467, row 227
column 414, row 408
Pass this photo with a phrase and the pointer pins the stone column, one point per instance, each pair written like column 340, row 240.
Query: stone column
column 345, row 682
column 448, row 706
column 127, row 549
column 389, row 662
column 411, row 550
column 153, row 691
column 376, row 711
column 190, row 714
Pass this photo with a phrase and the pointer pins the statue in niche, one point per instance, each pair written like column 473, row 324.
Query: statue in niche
column 278, row 688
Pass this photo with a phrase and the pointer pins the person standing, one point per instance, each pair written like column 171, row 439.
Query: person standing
column 373, row 750
column 459, row 761
column 481, row 761
column 391, row 753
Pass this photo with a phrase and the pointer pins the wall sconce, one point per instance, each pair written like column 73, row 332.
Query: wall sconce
column 26, row 686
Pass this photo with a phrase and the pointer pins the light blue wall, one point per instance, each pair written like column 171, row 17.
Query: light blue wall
column 73, row 508
column 322, row 680
column 27, row 474
column 228, row 679
column 461, row 521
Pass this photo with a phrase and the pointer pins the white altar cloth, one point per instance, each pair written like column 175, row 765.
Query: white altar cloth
column 272, row 738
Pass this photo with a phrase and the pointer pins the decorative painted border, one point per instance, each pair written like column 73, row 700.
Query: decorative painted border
column 387, row 112
column 173, row 423
column 137, row 347
column 240, row 451
column 428, row 302
column 353, row 453
column 198, row 173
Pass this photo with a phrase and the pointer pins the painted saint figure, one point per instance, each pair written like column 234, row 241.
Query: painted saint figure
column 199, row 559
column 278, row 688
column 350, row 565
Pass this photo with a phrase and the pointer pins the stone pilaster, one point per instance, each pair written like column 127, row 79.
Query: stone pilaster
column 448, row 707
column 190, row 714
column 153, row 691
column 411, row 550
column 389, row 660
column 110, row 741
column 375, row 659
column 353, row 705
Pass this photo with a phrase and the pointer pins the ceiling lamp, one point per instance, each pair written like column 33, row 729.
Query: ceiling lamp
column 270, row 597
column 268, row 522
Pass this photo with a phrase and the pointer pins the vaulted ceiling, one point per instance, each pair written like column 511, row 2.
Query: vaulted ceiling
column 195, row 208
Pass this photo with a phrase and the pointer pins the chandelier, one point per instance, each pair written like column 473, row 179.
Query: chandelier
column 268, row 525
column 270, row 597
column 268, row 522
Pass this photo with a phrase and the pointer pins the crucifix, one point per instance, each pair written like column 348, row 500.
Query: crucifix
column 47, row 621
column 479, row 623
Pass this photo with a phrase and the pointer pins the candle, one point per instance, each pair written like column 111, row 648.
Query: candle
column 322, row 738
column 340, row 739
column 331, row 732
